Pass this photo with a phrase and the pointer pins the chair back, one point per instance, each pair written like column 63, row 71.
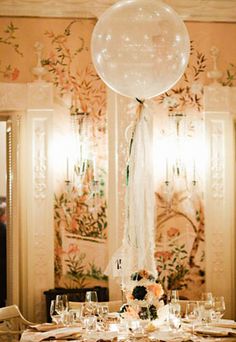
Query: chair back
column 12, row 323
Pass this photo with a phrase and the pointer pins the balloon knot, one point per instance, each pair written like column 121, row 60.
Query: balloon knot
column 140, row 101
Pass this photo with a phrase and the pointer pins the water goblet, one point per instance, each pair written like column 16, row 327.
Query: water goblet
column 91, row 301
column 90, row 323
column 207, row 305
column 174, row 316
column 76, row 315
column 61, row 305
column 192, row 314
column 55, row 316
column 218, row 307
column 91, row 296
column 174, row 296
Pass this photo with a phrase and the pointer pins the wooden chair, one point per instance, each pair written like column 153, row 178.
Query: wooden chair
column 113, row 305
column 12, row 323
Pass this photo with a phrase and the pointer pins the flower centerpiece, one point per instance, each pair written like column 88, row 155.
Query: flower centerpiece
column 143, row 293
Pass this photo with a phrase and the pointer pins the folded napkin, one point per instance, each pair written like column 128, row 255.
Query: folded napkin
column 101, row 335
column 224, row 324
column 46, row 326
column 215, row 331
column 175, row 336
column 59, row 333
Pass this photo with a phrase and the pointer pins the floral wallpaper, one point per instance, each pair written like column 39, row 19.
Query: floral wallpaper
column 80, row 201
column 179, row 196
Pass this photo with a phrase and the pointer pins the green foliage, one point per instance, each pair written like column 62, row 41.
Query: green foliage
column 76, row 269
column 96, row 272
column 173, row 269
column 185, row 94
column 9, row 38
column 230, row 77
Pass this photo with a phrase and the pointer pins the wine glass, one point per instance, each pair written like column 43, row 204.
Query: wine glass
column 61, row 305
column 91, row 296
column 218, row 307
column 91, row 300
column 192, row 314
column 174, row 315
column 55, row 316
column 174, row 296
column 207, row 304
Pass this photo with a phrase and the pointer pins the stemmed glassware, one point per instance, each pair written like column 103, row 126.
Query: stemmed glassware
column 61, row 305
column 218, row 307
column 91, row 301
column 174, row 310
column 207, row 305
column 192, row 314
column 102, row 312
column 55, row 316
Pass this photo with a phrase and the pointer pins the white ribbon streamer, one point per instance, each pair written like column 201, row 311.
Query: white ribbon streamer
column 139, row 240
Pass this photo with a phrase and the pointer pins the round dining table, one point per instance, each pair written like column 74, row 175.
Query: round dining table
column 123, row 330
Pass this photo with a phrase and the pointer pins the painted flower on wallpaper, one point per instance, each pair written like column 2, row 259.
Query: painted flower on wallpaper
column 80, row 212
column 229, row 78
column 178, row 266
column 172, row 231
column 86, row 90
column 189, row 91
column 9, row 38
column 173, row 267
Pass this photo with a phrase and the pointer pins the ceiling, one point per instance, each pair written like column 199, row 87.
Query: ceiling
column 194, row 10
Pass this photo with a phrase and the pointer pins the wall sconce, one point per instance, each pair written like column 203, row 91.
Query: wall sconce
column 180, row 149
column 81, row 166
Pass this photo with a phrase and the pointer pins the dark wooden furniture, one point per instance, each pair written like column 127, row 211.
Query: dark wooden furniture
column 74, row 295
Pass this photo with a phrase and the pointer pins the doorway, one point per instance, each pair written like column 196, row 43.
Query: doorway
column 3, row 217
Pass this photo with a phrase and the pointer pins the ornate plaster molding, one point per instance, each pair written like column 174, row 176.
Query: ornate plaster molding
column 217, row 159
column 40, row 159
column 12, row 96
column 197, row 10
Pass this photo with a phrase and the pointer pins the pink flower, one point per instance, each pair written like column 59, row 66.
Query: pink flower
column 173, row 231
column 156, row 289
column 15, row 74
column 73, row 248
column 59, row 251
column 166, row 255
column 74, row 225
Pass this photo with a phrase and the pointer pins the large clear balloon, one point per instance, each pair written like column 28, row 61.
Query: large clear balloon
column 140, row 48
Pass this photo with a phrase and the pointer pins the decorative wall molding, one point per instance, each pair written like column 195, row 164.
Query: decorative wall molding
column 197, row 10
column 39, row 213
column 40, row 159
column 40, row 95
column 13, row 96
column 220, row 193
column 217, row 158
column 29, row 108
